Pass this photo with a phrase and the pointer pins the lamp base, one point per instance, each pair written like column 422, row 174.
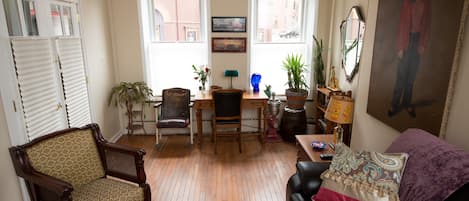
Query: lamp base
column 338, row 134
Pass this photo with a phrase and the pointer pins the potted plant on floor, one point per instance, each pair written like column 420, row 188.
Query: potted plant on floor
column 127, row 94
column 296, row 92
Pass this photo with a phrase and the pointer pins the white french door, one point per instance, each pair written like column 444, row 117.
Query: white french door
column 73, row 77
column 39, row 87
column 52, row 84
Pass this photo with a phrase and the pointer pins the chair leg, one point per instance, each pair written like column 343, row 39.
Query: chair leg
column 190, row 126
column 239, row 140
column 213, row 128
column 157, row 136
column 156, row 124
column 214, row 135
column 192, row 135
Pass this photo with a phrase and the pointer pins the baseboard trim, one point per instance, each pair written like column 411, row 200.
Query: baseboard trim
column 116, row 137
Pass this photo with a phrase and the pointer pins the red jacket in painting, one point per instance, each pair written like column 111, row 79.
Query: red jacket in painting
column 415, row 18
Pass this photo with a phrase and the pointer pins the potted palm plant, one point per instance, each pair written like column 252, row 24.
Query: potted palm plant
column 296, row 92
column 318, row 63
column 126, row 94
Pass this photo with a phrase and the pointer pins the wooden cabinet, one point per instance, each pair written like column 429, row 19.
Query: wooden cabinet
column 322, row 124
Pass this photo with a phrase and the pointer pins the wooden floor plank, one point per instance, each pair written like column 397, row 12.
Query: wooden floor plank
column 178, row 171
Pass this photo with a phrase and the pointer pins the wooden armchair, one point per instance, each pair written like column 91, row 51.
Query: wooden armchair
column 75, row 164
column 176, row 111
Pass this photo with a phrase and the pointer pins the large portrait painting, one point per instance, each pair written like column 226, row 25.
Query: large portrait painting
column 415, row 47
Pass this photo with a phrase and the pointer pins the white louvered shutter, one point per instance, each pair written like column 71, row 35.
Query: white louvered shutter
column 74, row 81
column 39, row 86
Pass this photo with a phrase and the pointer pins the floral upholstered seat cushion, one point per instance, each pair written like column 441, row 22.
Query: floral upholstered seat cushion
column 364, row 175
column 72, row 157
column 108, row 190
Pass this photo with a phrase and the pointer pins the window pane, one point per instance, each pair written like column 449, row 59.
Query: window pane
column 12, row 17
column 56, row 22
column 67, row 20
column 176, row 20
column 279, row 33
column 279, row 21
column 171, row 65
column 266, row 59
column 29, row 10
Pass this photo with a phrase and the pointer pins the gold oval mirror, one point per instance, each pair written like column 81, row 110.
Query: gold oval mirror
column 351, row 31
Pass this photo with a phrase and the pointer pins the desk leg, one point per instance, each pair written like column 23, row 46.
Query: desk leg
column 259, row 117
column 198, row 114
column 262, row 112
column 264, row 132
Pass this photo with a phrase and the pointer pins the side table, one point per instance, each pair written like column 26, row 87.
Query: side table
column 306, row 152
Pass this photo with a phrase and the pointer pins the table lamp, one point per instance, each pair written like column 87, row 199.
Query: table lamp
column 231, row 74
column 340, row 111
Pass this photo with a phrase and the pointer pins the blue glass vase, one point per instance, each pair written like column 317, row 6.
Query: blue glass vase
column 255, row 80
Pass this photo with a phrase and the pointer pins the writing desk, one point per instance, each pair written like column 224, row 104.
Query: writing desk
column 203, row 101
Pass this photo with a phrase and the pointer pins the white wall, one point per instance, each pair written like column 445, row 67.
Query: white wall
column 341, row 10
column 99, row 59
column 9, row 187
column 126, row 40
column 237, row 61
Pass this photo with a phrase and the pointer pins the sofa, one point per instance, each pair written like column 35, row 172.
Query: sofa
column 435, row 171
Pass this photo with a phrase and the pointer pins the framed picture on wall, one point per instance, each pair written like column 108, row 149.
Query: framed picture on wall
column 228, row 24
column 228, row 44
column 413, row 59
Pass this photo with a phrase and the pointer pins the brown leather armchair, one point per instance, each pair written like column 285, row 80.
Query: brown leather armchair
column 75, row 164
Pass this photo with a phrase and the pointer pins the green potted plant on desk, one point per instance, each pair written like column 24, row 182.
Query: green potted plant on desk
column 296, row 92
column 127, row 94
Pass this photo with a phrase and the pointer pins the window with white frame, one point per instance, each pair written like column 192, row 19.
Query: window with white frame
column 61, row 20
column 280, row 28
column 178, row 32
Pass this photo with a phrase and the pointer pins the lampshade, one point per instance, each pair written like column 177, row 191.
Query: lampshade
column 340, row 110
column 231, row 73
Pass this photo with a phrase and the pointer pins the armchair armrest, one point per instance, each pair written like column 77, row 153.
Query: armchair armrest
column 49, row 188
column 309, row 174
column 124, row 162
column 43, row 187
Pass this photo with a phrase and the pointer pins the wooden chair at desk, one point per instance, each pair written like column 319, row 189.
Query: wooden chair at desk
column 227, row 114
column 176, row 111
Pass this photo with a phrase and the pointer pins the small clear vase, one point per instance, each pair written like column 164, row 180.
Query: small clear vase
column 202, row 87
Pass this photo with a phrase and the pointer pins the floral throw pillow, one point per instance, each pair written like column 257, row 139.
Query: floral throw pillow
column 362, row 176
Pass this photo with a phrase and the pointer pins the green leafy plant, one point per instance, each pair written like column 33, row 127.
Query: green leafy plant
column 126, row 94
column 268, row 90
column 295, row 68
column 318, row 62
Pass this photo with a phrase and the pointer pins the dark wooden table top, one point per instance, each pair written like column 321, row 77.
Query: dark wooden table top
column 304, row 142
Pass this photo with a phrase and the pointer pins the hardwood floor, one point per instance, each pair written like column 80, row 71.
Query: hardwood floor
column 178, row 171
